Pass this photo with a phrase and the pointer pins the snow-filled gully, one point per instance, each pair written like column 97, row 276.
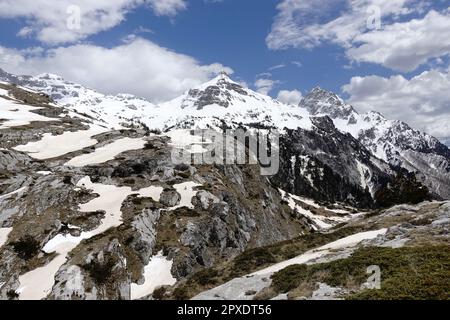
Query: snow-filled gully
column 319, row 222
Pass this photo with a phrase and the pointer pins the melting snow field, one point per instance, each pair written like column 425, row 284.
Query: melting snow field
column 37, row 284
column 107, row 152
column 347, row 242
column 4, row 232
column 51, row 146
column 156, row 274
column 13, row 114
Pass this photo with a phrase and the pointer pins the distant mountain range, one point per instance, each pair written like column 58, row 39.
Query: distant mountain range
column 375, row 147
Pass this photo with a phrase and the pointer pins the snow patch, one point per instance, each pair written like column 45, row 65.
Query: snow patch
column 107, row 152
column 44, row 173
column 4, row 92
column 157, row 273
column 51, row 146
column 4, row 233
column 318, row 221
column 187, row 192
column 13, row 114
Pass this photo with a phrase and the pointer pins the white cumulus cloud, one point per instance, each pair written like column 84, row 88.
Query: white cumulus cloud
column 64, row 21
column 405, row 46
column 376, row 31
column 290, row 97
column 139, row 66
column 265, row 85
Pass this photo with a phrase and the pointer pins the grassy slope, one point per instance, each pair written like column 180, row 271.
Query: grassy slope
column 407, row 273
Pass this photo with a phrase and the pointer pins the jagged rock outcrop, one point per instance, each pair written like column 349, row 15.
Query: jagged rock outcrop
column 329, row 165
column 321, row 102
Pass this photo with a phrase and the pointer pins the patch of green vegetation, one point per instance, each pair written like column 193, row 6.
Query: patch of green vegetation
column 129, row 181
column 149, row 146
column 206, row 277
column 251, row 259
column 404, row 189
column 12, row 295
column 100, row 272
column 181, row 167
column 207, row 187
column 290, row 278
column 27, row 247
column 181, row 293
column 159, row 293
column 414, row 273
column 186, row 212
column 184, row 175
column 167, row 233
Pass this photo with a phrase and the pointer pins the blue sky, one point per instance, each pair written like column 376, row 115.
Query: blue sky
column 232, row 33
column 294, row 44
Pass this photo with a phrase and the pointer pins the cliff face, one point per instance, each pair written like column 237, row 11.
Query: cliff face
column 330, row 166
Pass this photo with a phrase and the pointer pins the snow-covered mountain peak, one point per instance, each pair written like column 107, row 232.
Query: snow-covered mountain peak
column 224, row 101
column 323, row 102
column 221, row 78
column 220, row 91
column 49, row 76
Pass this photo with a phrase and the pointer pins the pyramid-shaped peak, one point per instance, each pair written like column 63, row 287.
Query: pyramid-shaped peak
column 323, row 102
column 318, row 89
column 221, row 78
column 50, row 76
column 221, row 81
column 320, row 93
column 224, row 75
